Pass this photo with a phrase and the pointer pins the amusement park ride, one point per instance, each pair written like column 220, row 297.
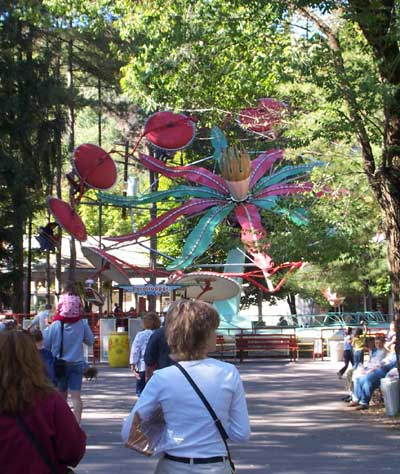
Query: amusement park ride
column 240, row 189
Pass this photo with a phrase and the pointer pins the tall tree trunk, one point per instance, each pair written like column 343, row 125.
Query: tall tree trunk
column 99, row 114
column 390, row 207
column 291, row 300
column 18, row 262
column 59, row 165
column 71, row 147
column 27, row 305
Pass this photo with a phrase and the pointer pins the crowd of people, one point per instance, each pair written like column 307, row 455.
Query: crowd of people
column 364, row 378
column 42, row 365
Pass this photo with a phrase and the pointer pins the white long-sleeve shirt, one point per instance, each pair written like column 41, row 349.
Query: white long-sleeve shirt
column 139, row 348
column 190, row 430
column 40, row 319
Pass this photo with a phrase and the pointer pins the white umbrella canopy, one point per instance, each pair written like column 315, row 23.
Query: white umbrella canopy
column 207, row 286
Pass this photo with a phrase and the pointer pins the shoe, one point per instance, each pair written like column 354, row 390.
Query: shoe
column 354, row 404
column 339, row 375
column 362, row 407
column 347, row 398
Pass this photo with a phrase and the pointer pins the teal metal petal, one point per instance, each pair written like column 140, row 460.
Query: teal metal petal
column 297, row 216
column 268, row 203
column 218, row 142
column 229, row 309
column 285, row 174
column 201, row 236
column 159, row 196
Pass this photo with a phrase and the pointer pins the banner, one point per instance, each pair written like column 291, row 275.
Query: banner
column 150, row 289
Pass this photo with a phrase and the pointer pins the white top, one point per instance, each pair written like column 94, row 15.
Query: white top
column 139, row 348
column 190, row 430
column 377, row 357
column 40, row 319
column 347, row 343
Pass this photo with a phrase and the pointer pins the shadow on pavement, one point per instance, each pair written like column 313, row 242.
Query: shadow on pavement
column 299, row 424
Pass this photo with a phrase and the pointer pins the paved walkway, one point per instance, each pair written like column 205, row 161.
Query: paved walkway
column 299, row 425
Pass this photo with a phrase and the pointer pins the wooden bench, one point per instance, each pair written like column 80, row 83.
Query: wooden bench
column 225, row 345
column 282, row 343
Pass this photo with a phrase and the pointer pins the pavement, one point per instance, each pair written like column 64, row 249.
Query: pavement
column 299, row 424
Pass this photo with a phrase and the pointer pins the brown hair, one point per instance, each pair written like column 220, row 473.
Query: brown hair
column 37, row 335
column 22, row 372
column 151, row 321
column 189, row 324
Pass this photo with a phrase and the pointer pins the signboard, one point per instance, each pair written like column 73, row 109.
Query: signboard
column 150, row 289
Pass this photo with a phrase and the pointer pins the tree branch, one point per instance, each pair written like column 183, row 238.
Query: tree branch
column 348, row 92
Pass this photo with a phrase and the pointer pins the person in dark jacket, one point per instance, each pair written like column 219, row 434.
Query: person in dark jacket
column 157, row 353
column 29, row 403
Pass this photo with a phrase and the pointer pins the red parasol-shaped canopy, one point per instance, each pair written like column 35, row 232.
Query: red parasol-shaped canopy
column 94, row 166
column 262, row 118
column 169, row 131
column 108, row 264
column 207, row 286
column 67, row 218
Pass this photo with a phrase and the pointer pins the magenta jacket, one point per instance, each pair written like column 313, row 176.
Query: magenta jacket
column 55, row 427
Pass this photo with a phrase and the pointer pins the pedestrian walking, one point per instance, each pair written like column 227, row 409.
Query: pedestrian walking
column 347, row 352
column 157, row 352
column 192, row 442
column 39, row 433
column 358, row 342
column 65, row 341
column 151, row 322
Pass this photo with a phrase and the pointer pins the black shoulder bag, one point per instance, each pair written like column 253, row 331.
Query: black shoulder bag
column 60, row 365
column 214, row 416
column 38, row 446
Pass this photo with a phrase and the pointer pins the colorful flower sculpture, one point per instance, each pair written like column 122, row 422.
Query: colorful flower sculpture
column 244, row 187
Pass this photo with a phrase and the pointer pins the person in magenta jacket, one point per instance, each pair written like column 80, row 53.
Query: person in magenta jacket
column 28, row 398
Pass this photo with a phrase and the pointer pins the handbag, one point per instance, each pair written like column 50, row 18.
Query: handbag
column 60, row 365
column 145, row 435
column 39, row 448
column 210, row 409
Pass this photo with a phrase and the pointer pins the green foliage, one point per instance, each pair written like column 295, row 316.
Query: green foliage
column 30, row 92
column 200, row 54
column 214, row 57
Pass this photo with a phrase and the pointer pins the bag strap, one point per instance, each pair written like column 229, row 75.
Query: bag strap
column 210, row 409
column 62, row 339
column 38, row 446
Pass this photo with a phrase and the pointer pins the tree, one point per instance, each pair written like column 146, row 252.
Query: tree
column 29, row 93
column 341, row 73
column 371, row 101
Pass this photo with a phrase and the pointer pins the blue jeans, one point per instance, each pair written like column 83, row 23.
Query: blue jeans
column 358, row 358
column 364, row 386
column 73, row 377
column 140, row 383
column 348, row 357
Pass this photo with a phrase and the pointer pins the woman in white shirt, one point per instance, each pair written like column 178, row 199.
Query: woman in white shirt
column 191, row 441
column 136, row 360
